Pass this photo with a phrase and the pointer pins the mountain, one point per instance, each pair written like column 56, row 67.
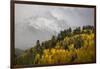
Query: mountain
column 18, row 51
column 68, row 47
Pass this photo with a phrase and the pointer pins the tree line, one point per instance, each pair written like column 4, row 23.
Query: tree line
column 68, row 42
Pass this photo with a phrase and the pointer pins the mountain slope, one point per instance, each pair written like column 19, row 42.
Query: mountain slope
column 77, row 46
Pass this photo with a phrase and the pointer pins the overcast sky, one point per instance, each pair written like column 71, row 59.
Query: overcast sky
column 49, row 20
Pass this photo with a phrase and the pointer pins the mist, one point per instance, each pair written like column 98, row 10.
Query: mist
column 39, row 22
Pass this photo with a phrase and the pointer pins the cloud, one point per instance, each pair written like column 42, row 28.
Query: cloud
column 34, row 21
column 43, row 23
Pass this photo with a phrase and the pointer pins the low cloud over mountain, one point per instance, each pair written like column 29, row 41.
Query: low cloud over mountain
column 34, row 22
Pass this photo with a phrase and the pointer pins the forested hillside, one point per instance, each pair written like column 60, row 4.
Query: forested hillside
column 69, row 46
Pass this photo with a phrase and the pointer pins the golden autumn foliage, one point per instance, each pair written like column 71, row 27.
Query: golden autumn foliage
column 77, row 48
column 59, row 55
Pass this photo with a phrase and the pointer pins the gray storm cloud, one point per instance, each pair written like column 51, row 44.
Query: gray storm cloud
column 38, row 22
